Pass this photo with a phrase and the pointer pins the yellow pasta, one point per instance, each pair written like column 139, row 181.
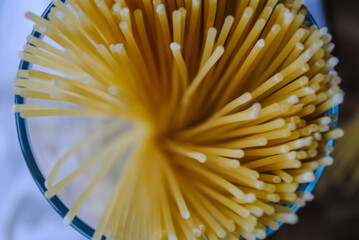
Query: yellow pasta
column 221, row 102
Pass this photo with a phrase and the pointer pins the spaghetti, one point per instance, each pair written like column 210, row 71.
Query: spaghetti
column 225, row 102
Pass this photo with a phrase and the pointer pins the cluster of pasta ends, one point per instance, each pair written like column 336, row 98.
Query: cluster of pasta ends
column 222, row 103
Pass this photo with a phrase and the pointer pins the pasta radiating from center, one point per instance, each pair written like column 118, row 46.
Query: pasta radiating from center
column 225, row 100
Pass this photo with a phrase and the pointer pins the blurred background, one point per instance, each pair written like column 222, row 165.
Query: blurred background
column 334, row 214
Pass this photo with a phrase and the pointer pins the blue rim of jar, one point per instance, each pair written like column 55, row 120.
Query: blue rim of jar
column 57, row 204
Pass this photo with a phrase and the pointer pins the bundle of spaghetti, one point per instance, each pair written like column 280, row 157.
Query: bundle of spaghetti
column 226, row 99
